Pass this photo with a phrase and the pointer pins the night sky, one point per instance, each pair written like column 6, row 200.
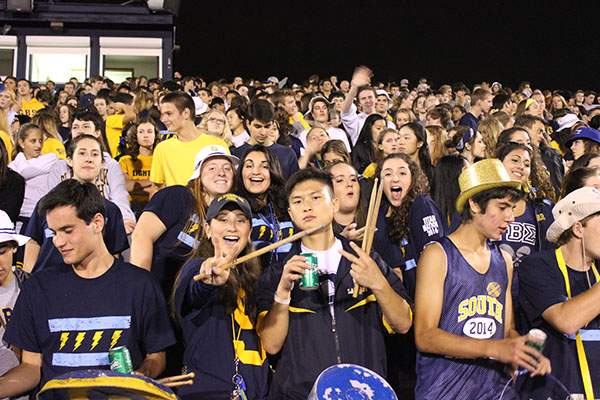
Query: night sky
column 554, row 45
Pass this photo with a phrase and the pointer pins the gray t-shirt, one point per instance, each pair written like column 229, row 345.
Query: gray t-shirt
column 8, row 297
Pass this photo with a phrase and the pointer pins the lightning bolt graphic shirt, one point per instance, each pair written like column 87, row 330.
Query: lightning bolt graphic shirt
column 74, row 322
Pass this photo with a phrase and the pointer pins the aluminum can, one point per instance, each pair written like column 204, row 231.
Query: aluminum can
column 120, row 360
column 539, row 340
column 310, row 279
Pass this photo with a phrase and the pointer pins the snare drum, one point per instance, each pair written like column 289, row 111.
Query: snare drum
column 351, row 382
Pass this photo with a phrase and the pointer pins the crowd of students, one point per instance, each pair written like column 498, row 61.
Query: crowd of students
column 114, row 197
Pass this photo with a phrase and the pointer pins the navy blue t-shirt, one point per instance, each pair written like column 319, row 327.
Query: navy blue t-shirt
column 209, row 341
column 524, row 236
column 296, row 145
column 470, row 121
column 114, row 235
column 286, row 156
column 73, row 322
column 426, row 225
column 173, row 206
column 542, row 285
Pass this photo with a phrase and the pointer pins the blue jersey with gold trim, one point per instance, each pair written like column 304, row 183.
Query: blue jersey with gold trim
column 473, row 306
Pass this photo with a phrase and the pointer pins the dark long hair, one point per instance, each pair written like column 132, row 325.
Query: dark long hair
column 444, row 185
column 275, row 194
column 134, row 146
column 424, row 155
column 399, row 223
column 584, row 160
column 576, row 178
column 538, row 178
column 366, row 136
column 282, row 121
column 244, row 277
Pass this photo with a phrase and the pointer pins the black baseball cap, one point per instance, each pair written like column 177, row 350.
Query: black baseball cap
column 228, row 198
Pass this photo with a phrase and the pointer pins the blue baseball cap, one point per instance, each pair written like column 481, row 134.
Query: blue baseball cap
column 221, row 201
column 585, row 133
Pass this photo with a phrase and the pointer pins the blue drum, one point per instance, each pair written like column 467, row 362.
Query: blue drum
column 351, row 382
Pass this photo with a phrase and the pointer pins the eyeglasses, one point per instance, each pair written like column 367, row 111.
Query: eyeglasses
column 216, row 121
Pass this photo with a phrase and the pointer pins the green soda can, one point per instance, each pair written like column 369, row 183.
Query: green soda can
column 538, row 340
column 310, row 279
column 120, row 360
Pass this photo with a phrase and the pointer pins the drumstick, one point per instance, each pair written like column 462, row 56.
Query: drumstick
column 264, row 250
column 374, row 221
column 181, row 383
column 370, row 224
column 176, row 378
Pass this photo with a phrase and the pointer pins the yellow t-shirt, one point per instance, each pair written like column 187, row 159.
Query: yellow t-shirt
column 52, row 145
column 114, row 126
column 173, row 161
column 305, row 124
column 137, row 171
column 31, row 107
column 7, row 143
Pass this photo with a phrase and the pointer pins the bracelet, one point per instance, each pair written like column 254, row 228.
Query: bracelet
column 282, row 301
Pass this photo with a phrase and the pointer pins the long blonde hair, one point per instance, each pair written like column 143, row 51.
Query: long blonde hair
column 490, row 129
column 48, row 124
column 225, row 133
column 437, row 149
column 4, row 125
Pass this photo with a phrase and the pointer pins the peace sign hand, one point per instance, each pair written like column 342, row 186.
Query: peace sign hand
column 365, row 271
column 212, row 266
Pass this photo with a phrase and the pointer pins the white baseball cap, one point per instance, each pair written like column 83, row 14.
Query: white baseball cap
column 577, row 205
column 211, row 151
column 7, row 231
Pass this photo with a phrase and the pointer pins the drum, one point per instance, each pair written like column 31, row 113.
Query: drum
column 103, row 384
column 351, row 382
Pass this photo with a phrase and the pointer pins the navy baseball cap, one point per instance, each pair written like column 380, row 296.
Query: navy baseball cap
column 228, row 198
column 585, row 133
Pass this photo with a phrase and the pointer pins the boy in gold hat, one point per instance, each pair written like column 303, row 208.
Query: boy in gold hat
column 464, row 328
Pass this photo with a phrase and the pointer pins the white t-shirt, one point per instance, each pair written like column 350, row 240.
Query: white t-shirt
column 240, row 139
column 328, row 263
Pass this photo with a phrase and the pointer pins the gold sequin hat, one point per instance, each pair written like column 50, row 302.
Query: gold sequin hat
column 483, row 175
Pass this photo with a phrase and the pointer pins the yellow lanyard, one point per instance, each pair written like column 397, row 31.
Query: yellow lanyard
column 583, row 364
column 235, row 338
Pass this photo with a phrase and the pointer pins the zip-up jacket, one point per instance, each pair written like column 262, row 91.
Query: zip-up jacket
column 315, row 339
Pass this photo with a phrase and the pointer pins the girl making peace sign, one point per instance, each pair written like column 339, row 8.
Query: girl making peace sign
column 218, row 314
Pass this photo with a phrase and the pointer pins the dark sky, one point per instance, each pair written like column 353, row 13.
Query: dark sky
column 555, row 45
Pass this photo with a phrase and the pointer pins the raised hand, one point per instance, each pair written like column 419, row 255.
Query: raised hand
column 362, row 76
column 365, row 271
column 351, row 233
column 211, row 267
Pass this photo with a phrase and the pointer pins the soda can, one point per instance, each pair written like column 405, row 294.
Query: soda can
column 120, row 360
column 310, row 278
column 538, row 340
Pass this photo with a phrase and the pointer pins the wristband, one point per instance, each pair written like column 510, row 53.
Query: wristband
column 285, row 302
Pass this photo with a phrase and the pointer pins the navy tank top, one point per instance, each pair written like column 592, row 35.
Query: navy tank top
column 473, row 306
